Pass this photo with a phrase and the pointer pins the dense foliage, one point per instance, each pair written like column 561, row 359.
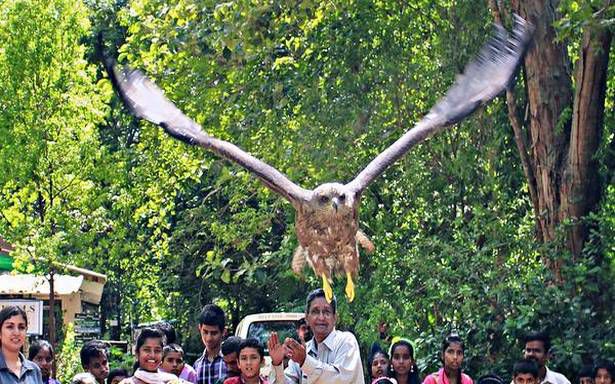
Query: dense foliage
column 316, row 89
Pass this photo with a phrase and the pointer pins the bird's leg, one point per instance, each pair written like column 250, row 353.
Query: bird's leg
column 327, row 288
column 349, row 287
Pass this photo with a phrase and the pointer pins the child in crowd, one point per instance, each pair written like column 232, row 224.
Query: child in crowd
column 604, row 372
column 586, row 375
column 377, row 364
column 41, row 353
column 173, row 362
column 230, row 353
column 84, row 378
column 451, row 355
column 94, row 360
column 150, row 343
column 251, row 357
column 210, row 367
column 525, row 372
column 116, row 375
column 490, row 378
column 403, row 366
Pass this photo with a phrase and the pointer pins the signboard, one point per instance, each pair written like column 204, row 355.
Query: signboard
column 34, row 312
column 87, row 325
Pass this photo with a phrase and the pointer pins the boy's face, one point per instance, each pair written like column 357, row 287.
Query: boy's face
column 211, row 335
column 524, row 378
column 231, row 364
column 586, row 380
column 173, row 363
column 99, row 367
column 249, row 362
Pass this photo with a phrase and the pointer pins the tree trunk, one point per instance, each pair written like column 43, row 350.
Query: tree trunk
column 580, row 190
column 52, row 317
column 565, row 132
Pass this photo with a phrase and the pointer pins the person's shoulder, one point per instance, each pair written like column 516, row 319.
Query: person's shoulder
column 28, row 364
column 345, row 335
column 466, row 379
column 341, row 339
column 199, row 361
column 431, row 378
column 556, row 377
column 32, row 368
column 233, row 380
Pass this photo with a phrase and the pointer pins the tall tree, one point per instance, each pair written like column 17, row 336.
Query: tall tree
column 565, row 118
column 50, row 104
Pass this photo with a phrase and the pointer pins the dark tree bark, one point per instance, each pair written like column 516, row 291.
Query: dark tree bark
column 565, row 127
column 580, row 191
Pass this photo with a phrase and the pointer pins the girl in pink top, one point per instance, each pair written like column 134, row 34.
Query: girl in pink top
column 452, row 357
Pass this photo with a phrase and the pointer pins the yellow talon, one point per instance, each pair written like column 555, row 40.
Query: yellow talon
column 327, row 288
column 349, row 287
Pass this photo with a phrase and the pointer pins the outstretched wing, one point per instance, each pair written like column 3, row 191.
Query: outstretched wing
column 146, row 101
column 483, row 79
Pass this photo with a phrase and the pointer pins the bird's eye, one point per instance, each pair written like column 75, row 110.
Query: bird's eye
column 342, row 197
column 324, row 199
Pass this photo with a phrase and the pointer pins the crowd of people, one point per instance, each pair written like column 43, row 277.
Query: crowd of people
column 329, row 356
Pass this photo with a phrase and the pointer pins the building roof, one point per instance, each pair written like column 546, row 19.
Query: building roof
column 89, row 283
column 39, row 285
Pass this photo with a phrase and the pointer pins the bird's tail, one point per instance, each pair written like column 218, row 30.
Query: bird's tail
column 299, row 260
column 365, row 242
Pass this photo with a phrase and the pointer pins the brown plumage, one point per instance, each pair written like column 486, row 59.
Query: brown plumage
column 327, row 217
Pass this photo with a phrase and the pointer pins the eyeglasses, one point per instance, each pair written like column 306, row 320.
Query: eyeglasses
column 317, row 312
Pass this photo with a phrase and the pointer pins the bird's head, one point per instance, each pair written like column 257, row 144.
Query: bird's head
column 333, row 198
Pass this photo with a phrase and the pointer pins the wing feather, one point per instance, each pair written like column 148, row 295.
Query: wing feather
column 147, row 101
column 483, row 79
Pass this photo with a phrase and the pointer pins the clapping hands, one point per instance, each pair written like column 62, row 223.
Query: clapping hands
column 291, row 348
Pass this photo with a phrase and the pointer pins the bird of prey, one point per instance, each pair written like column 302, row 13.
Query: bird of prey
column 326, row 220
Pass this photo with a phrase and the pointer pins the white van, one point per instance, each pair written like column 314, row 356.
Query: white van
column 261, row 325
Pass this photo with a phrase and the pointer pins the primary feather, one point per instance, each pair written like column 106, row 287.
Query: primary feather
column 326, row 220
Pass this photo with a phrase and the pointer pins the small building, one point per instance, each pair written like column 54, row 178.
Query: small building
column 77, row 291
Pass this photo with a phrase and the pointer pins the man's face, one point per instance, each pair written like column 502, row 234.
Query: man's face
column 99, row 367
column 211, row 336
column 231, row 364
column 321, row 318
column 535, row 350
column 173, row 362
column 524, row 378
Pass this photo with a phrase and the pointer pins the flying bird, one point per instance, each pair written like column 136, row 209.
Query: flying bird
column 326, row 219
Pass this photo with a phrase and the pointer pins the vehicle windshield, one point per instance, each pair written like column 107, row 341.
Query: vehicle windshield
column 262, row 329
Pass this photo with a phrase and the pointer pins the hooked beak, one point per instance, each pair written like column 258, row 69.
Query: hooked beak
column 334, row 202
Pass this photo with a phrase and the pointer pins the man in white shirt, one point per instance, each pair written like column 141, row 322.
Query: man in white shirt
column 330, row 357
column 537, row 346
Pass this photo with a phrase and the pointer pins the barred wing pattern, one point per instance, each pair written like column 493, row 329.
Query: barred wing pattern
column 483, row 79
column 147, row 101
